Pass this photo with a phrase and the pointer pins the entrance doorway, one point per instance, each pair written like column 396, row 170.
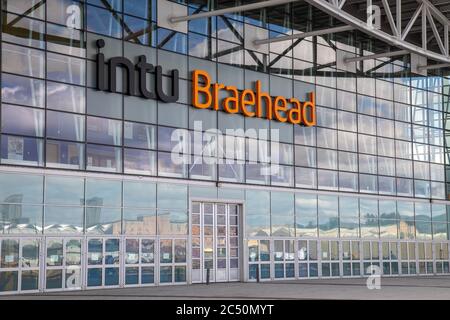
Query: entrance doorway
column 63, row 263
column 215, row 239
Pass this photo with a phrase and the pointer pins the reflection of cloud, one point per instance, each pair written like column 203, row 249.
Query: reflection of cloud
column 9, row 92
column 57, row 89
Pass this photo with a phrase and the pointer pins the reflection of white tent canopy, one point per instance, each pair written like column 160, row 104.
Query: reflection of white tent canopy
column 21, row 228
column 100, row 228
column 63, row 228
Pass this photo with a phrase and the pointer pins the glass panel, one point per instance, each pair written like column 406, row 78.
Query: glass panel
column 24, row 31
column 253, row 250
column 63, row 220
column 73, row 252
column 328, row 216
column 165, row 274
column 132, row 251
column 112, row 251
column 65, row 97
column 95, row 252
column 30, row 280
column 23, row 121
column 147, row 275
column 131, row 275
column 139, row 194
column 180, row 274
column 65, row 69
column 103, row 22
column 54, row 279
column 30, row 253
column 139, row 221
column 94, row 277
column 67, row 155
column 278, row 250
column 55, row 253
column 62, row 190
column 166, row 251
column 100, row 192
column 147, row 251
column 264, row 250
column 23, row 61
column 24, row 91
column 111, row 276
column 103, row 220
column 18, row 218
column 173, row 222
column 180, row 251
column 65, row 126
column 139, row 162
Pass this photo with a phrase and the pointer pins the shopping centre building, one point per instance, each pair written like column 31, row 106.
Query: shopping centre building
column 155, row 142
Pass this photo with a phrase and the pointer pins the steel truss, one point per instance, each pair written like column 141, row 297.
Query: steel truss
column 397, row 37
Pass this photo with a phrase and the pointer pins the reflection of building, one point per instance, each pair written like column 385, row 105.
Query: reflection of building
column 93, row 211
column 146, row 225
column 11, row 213
column 12, row 210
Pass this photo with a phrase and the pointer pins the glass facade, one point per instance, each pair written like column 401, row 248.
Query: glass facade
column 366, row 186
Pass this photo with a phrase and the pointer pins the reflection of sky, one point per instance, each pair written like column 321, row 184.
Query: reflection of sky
column 21, row 90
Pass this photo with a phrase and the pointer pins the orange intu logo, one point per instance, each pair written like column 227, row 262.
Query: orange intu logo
column 250, row 102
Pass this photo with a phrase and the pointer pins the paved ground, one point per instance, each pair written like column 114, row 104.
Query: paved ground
column 391, row 288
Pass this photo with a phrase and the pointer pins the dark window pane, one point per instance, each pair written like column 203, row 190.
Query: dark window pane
column 65, row 126
column 139, row 161
column 104, row 22
column 22, row 7
column 66, row 97
column 140, row 8
column 172, row 40
column 21, row 90
column 61, row 154
column 20, row 30
column 23, row 61
column 104, row 131
column 21, row 120
column 65, row 69
column 139, row 31
column 65, row 40
column 138, row 135
column 103, row 158
column 21, row 150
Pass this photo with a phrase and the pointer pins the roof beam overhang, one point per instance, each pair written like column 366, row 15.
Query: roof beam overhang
column 377, row 56
column 304, row 35
column 246, row 7
column 434, row 66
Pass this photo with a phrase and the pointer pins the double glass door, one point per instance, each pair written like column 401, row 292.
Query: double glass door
column 215, row 241
column 63, row 264
column 19, row 264
column 103, row 262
